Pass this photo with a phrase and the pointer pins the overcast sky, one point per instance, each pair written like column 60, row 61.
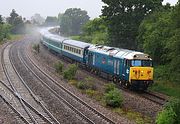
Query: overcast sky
column 28, row 8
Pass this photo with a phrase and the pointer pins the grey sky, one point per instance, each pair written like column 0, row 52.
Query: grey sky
column 27, row 8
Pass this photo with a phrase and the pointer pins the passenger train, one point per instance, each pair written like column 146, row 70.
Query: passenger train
column 131, row 69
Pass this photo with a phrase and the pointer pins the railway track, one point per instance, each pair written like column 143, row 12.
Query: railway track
column 154, row 97
column 75, row 103
column 19, row 97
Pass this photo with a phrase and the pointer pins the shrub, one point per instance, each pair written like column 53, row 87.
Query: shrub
column 113, row 98
column 109, row 87
column 82, row 85
column 36, row 47
column 70, row 72
column 88, row 83
column 59, row 67
column 170, row 114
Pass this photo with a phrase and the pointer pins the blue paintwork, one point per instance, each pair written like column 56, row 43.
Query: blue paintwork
column 106, row 64
column 72, row 56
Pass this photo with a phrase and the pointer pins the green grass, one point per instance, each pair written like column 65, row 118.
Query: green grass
column 12, row 37
column 135, row 116
column 15, row 37
column 168, row 88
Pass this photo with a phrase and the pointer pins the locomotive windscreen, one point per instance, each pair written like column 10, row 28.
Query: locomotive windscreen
column 143, row 63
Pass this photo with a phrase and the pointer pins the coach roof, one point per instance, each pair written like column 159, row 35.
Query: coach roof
column 76, row 43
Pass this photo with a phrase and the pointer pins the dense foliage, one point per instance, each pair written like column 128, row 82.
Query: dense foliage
column 17, row 22
column 159, row 36
column 59, row 67
column 37, row 19
column 87, row 84
column 113, row 98
column 51, row 21
column 4, row 31
column 170, row 114
column 95, row 31
column 70, row 73
column 124, row 17
column 72, row 20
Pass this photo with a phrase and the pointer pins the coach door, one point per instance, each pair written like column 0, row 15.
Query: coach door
column 116, row 67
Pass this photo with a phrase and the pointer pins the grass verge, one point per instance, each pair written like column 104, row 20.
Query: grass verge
column 168, row 88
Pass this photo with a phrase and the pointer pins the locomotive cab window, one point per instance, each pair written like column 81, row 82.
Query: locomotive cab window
column 144, row 63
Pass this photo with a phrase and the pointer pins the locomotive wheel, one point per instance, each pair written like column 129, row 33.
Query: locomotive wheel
column 95, row 72
column 127, row 85
column 115, row 79
column 92, row 70
column 120, row 82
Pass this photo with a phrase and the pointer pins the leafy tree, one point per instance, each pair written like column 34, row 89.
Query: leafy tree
column 95, row 31
column 124, row 17
column 51, row 21
column 60, row 15
column 154, row 33
column 13, row 16
column 37, row 19
column 159, row 36
column 72, row 21
column 1, row 19
column 17, row 22
column 4, row 31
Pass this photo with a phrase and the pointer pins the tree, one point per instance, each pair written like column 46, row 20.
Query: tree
column 1, row 19
column 4, row 31
column 37, row 19
column 72, row 21
column 13, row 16
column 154, row 33
column 124, row 17
column 51, row 21
column 60, row 15
column 17, row 22
column 95, row 31
column 159, row 36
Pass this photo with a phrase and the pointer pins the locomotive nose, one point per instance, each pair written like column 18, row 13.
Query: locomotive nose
column 141, row 73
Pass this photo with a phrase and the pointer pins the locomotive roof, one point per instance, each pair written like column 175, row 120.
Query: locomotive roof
column 76, row 43
column 119, row 53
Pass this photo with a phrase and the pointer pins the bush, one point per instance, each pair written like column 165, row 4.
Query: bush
column 82, row 85
column 113, row 98
column 70, row 72
column 36, row 47
column 5, row 31
column 87, row 84
column 109, row 87
column 59, row 67
column 170, row 114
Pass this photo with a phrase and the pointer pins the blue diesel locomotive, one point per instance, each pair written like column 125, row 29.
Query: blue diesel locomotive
column 129, row 68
